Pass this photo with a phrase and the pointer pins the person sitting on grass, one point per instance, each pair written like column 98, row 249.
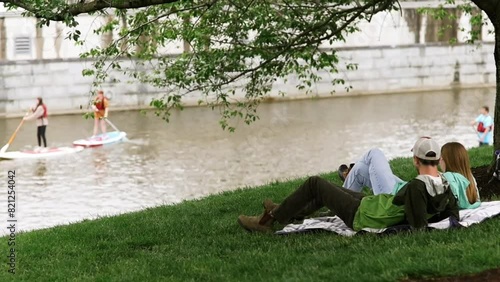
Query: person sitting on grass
column 427, row 198
column 373, row 171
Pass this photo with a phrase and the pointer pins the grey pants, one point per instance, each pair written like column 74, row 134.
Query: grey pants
column 316, row 193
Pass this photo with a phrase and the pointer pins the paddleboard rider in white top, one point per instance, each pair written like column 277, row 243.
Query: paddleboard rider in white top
column 39, row 113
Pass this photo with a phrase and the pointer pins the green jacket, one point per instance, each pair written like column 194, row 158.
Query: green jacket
column 417, row 202
column 377, row 211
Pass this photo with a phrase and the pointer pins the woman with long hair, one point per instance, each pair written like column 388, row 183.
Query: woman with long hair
column 454, row 158
column 39, row 113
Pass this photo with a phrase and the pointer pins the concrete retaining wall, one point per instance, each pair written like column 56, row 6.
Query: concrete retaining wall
column 64, row 89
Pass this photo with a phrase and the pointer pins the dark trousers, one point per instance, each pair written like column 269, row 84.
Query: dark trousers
column 40, row 134
column 483, row 144
column 316, row 193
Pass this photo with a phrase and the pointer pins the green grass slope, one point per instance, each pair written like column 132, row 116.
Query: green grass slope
column 201, row 240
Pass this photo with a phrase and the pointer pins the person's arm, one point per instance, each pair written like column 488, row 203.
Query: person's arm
column 106, row 106
column 37, row 114
column 476, row 121
column 477, row 189
column 414, row 198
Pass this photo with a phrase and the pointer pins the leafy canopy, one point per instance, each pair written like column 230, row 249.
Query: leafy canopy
column 237, row 46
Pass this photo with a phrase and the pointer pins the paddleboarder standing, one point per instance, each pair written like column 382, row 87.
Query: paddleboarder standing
column 484, row 128
column 39, row 113
column 100, row 107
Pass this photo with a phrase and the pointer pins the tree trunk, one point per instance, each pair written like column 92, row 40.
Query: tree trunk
column 492, row 9
column 496, row 132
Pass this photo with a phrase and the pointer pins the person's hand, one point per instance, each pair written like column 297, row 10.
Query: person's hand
column 25, row 118
column 455, row 223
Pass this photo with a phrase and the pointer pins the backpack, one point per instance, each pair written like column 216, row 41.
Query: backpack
column 45, row 113
column 481, row 128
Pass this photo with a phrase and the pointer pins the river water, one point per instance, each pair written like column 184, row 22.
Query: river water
column 192, row 156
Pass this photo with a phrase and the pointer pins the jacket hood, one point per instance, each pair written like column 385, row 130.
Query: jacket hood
column 434, row 188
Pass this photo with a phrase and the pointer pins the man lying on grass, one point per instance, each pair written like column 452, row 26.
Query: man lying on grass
column 427, row 198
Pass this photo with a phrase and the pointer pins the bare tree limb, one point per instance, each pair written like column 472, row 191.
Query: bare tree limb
column 86, row 7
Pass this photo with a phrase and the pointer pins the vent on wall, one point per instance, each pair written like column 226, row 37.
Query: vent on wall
column 23, row 45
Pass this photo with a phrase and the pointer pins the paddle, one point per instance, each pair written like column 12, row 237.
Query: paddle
column 112, row 125
column 477, row 133
column 115, row 128
column 4, row 148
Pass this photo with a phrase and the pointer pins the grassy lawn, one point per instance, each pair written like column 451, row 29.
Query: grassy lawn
column 201, row 240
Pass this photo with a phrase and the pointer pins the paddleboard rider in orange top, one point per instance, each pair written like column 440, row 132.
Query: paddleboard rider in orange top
column 100, row 107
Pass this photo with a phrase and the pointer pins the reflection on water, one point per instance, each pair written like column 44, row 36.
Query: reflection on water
column 100, row 167
column 192, row 157
column 40, row 168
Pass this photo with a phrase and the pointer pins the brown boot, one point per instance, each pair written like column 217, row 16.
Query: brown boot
column 269, row 205
column 262, row 223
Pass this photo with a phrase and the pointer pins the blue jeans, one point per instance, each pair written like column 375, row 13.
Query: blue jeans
column 372, row 171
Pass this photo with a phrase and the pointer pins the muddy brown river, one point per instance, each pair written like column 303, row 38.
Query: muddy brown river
column 192, row 156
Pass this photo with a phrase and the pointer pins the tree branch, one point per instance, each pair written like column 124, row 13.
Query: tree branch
column 86, row 7
column 296, row 41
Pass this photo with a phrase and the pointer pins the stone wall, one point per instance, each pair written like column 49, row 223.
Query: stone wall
column 419, row 67
column 381, row 69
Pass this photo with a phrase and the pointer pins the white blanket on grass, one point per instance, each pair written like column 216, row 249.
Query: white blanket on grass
column 335, row 224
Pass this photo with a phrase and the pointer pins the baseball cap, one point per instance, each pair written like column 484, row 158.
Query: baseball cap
column 427, row 149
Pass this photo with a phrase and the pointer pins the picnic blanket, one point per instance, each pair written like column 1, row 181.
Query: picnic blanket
column 334, row 224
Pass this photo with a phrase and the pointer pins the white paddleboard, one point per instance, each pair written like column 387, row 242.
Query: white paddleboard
column 101, row 139
column 41, row 153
